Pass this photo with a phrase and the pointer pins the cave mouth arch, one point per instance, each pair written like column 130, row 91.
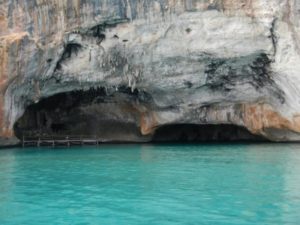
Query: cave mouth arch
column 204, row 133
column 112, row 118
column 107, row 114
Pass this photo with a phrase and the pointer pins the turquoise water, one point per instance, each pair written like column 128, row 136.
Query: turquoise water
column 144, row 184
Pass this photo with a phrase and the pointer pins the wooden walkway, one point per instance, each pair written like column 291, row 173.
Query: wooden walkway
column 60, row 141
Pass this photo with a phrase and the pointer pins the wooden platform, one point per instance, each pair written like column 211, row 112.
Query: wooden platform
column 60, row 141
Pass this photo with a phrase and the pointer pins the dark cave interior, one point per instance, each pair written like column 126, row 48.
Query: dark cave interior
column 109, row 117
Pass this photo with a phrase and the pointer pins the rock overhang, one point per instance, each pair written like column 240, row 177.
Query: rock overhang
column 200, row 62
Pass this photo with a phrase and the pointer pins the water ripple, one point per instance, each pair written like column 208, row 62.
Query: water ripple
column 143, row 184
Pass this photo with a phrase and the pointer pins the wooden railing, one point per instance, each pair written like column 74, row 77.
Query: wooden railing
column 61, row 140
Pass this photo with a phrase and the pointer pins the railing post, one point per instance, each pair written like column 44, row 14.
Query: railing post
column 38, row 143
column 68, row 142
column 53, row 143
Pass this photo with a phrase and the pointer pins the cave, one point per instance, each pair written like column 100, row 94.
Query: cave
column 204, row 133
column 95, row 112
column 111, row 117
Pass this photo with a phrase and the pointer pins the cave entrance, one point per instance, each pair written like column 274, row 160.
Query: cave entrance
column 112, row 118
column 95, row 112
column 204, row 133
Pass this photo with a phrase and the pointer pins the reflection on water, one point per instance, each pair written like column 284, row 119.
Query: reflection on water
column 152, row 184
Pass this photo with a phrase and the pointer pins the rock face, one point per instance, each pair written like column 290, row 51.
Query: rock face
column 149, row 63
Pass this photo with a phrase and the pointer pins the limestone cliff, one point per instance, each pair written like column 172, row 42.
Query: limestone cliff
column 153, row 62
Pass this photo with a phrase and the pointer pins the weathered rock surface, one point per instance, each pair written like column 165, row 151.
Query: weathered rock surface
column 160, row 62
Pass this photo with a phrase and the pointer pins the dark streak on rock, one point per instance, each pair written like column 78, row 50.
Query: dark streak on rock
column 223, row 75
column 188, row 84
column 273, row 35
column 98, row 31
column 69, row 50
column 58, row 66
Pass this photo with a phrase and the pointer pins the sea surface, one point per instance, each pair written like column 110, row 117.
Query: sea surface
column 151, row 184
